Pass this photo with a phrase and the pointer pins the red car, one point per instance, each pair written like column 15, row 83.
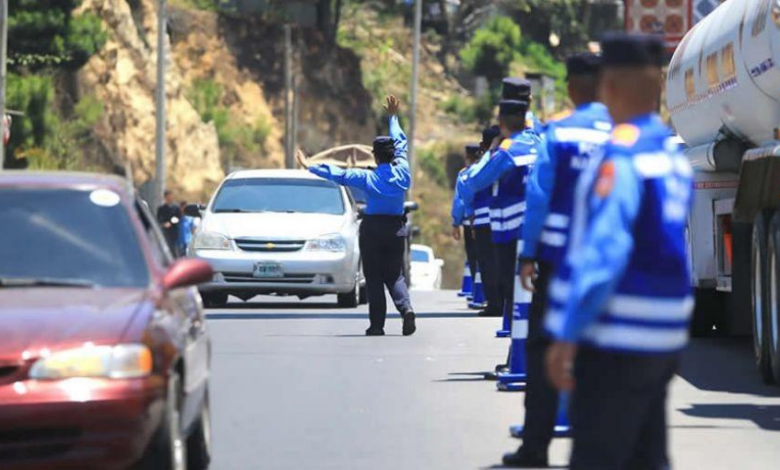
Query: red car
column 104, row 352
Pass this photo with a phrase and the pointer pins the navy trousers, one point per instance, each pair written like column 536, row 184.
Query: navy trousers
column 382, row 245
column 488, row 266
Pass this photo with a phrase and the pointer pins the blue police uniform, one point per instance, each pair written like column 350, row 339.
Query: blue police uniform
column 506, row 171
column 462, row 214
column 383, row 230
column 570, row 141
column 534, row 124
column 623, row 293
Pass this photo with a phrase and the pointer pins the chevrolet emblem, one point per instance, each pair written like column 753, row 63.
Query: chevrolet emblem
column 270, row 246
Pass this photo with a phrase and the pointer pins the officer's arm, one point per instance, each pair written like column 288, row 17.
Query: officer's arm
column 482, row 177
column 458, row 209
column 355, row 178
column 538, row 190
column 600, row 259
column 399, row 138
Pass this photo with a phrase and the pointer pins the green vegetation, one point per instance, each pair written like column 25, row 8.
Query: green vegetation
column 238, row 141
column 468, row 110
column 432, row 165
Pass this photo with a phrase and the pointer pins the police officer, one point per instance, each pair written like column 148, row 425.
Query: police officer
column 383, row 230
column 506, row 171
column 571, row 138
column 463, row 214
column 514, row 88
column 619, row 309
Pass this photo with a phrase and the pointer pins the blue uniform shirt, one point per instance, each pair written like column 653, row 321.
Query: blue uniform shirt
column 625, row 282
column 571, row 140
column 506, row 170
column 461, row 212
column 534, row 124
column 386, row 186
column 481, row 199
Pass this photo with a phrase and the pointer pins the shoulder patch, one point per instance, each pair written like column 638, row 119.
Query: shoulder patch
column 560, row 115
column 506, row 143
column 625, row 135
column 606, row 179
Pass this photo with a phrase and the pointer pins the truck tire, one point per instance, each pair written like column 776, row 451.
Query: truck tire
column 773, row 307
column 758, row 299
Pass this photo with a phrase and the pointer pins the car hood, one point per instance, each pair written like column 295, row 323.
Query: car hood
column 32, row 319
column 274, row 225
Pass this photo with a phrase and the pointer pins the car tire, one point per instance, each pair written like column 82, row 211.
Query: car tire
column 758, row 299
column 199, row 441
column 215, row 300
column 350, row 299
column 167, row 450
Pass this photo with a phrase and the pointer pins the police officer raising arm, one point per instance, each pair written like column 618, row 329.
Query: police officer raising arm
column 620, row 306
column 383, row 230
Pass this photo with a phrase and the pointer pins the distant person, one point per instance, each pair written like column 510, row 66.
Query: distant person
column 186, row 229
column 383, row 231
column 463, row 214
column 169, row 216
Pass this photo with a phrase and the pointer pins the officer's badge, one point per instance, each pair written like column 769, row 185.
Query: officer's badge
column 506, row 144
column 625, row 135
column 606, row 179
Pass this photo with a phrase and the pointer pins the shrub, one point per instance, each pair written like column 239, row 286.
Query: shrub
column 432, row 166
column 493, row 48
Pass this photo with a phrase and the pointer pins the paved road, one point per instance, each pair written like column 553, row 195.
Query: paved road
column 296, row 385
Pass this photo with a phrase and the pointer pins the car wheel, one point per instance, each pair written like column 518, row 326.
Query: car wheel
column 215, row 300
column 351, row 299
column 167, row 449
column 758, row 299
column 199, row 442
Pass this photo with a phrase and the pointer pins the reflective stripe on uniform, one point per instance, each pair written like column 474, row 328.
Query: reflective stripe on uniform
column 503, row 226
column 553, row 238
column 580, row 134
column 650, row 309
column 482, row 211
column 481, row 221
column 559, row 221
column 523, row 160
column 637, row 338
column 508, row 211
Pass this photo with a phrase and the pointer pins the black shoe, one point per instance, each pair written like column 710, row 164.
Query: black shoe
column 525, row 459
column 409, row 326
column 502, row 368
column 375, row 332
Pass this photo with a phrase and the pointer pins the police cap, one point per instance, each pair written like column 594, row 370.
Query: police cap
column 513, row 88
column 489, row 134
column 472, row 150
column 583, row 64
column 384, row 147
column 632, row 50
column 512, row 108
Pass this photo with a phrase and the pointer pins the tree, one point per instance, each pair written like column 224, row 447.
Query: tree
column 493, row 48
column 44, row 34
column 567, row 19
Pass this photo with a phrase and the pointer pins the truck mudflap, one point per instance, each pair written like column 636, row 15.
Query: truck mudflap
column 758, row 188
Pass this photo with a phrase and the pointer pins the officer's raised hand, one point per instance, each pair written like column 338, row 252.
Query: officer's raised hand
column 560, row 364
column 392, row 105
column 528, row 275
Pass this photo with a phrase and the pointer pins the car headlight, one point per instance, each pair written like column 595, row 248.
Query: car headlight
column 123, row 361
column 333, row 243
column 211, row 241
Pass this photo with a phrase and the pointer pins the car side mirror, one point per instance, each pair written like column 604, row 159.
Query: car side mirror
column 410, row 206
column 187, row 272
column 361, row 210
column 439, row 262
column 194, row 210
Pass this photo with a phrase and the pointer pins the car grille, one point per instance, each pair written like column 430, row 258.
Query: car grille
column 36, row 443
column 273, row 246
column 286, row 279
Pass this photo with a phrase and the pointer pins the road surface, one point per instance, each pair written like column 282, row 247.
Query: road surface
column 296, row 385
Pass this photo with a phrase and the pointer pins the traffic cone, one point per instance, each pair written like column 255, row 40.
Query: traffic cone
column 562, row 426
column 478, row 301
column 466, row 285
column 514, row 380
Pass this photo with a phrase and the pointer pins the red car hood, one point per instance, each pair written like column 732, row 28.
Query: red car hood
column 32, row 319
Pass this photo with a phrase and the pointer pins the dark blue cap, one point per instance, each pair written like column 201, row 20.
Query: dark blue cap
column 489, row 134
column 514, row 88
column 631, row 50
column 582, row 64
column 383, row 145
column 472, row 150
column 512, row 108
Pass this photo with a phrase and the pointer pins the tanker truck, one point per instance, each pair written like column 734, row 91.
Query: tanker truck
column 723, row 95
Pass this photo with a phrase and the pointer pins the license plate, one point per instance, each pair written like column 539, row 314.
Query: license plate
column 268, row 270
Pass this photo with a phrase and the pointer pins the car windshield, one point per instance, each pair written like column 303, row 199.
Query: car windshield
column 68, row 237
column 279, row 195
column 420, row 256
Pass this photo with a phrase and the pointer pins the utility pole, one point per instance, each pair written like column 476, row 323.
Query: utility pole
column 289, row 128
column 159, row 106
column 3, row 60
column 415, row 75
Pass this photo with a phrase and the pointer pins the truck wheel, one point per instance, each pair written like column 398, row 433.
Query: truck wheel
column 773, row 308
column 708, row 310
column 758, row 299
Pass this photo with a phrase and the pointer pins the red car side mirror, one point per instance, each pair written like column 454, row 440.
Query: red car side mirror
column 187, row 272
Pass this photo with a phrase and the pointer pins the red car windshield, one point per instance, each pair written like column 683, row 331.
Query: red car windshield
column 68, row 237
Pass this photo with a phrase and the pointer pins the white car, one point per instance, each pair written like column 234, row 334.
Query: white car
column 426, row 268
column 282, row 232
